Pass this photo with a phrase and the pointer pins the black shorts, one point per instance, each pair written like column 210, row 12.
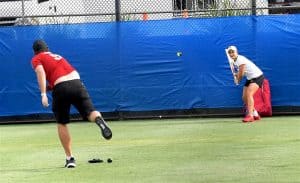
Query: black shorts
column 259, row 81
column 69, row 93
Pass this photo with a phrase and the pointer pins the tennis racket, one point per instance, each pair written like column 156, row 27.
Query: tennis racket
column 230, row 61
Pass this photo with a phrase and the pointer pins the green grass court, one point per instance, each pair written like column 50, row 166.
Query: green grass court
column 167, row 150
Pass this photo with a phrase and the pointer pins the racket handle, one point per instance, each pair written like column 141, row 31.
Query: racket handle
column 235, row 80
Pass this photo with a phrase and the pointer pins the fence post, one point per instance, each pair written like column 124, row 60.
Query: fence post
column 23, row 12
column 117, row 10
column 253, row 7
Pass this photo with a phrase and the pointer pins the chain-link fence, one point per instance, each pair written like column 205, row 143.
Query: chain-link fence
column 37, row 12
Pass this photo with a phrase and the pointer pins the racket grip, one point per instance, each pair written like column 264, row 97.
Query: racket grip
column 235, row 80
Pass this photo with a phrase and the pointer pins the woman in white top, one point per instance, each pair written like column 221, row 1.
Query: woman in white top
column 254, row 81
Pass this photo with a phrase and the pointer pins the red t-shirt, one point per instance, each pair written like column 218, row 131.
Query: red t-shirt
column 54, row 65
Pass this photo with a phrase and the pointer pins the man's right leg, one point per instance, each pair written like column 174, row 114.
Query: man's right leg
column 66, row 142
column 84, row 105
column 96, row 117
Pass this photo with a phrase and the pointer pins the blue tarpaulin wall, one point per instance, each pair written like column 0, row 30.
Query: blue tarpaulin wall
column 134, row 66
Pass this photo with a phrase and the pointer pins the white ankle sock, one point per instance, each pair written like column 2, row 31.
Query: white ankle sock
column 69, row 157
column 255, row 113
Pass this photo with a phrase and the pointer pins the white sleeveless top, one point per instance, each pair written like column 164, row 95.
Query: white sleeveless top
column 251, row 70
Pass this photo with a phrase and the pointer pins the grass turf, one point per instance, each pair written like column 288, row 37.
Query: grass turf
column 167, row 150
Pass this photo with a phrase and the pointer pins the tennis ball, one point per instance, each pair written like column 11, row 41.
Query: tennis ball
column 179, row 54
column 109, row 160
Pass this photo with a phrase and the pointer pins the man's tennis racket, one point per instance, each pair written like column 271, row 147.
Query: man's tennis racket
column 230, row 61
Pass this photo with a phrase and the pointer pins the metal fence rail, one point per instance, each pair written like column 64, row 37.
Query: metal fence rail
column 38, row 12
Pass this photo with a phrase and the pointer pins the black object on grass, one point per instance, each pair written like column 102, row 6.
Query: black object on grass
column 109, row 160
column 95, row 160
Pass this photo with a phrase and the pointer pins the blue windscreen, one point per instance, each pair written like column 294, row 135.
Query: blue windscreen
column 155, row 65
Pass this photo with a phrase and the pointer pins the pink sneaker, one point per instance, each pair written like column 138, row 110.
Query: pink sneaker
column 256, row 118
column 248, row 118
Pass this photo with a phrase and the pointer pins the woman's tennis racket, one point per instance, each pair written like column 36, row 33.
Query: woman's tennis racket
column 230, row 61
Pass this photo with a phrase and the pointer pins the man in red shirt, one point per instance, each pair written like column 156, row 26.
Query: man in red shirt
column 68, row 90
